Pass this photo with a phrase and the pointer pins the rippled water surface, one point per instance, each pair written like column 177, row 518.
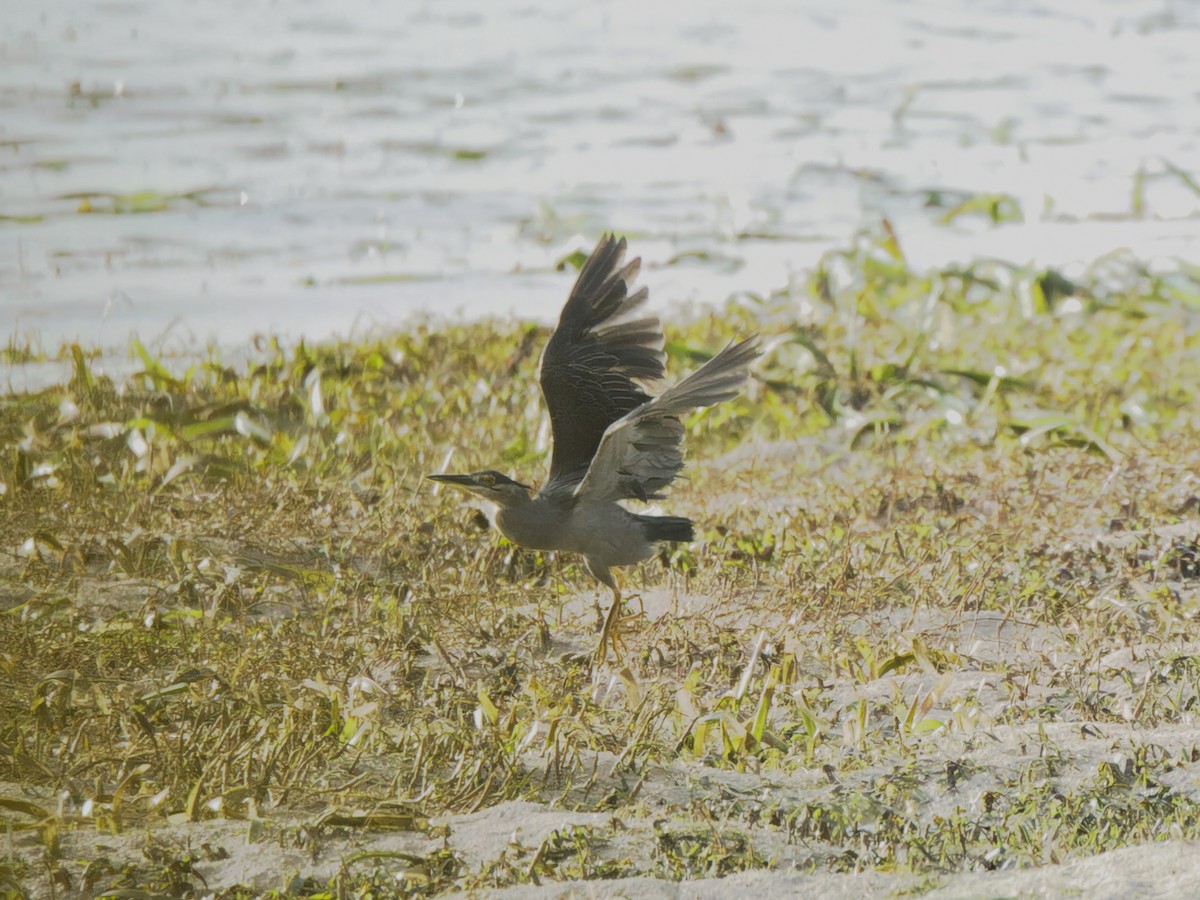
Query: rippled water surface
column 188, row 171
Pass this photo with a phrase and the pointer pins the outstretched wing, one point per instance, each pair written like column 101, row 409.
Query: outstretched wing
column 641, row 453
column 598, row 360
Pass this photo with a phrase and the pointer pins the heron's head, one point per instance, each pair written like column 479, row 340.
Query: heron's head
column 490, row 485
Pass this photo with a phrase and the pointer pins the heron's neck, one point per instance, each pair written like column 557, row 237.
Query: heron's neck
column 515, row 500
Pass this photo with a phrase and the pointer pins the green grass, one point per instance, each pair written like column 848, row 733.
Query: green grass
column 230, row 596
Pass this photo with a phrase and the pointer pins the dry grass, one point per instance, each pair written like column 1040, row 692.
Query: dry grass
column 941, row 615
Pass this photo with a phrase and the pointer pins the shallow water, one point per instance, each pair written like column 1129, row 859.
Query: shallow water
column 311, row 169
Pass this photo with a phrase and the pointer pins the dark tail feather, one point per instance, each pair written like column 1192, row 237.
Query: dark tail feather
column 668, row 528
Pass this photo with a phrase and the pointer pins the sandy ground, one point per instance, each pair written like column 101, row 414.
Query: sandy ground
column 281, row 852
column 1162, row 870
column 239, row 858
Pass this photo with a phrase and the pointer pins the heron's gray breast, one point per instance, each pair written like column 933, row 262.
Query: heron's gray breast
column 538, row 525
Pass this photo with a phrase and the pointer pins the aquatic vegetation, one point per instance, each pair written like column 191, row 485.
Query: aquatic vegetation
column 940, row 617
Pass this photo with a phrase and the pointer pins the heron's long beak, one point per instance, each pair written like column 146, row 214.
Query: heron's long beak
column 462, row 481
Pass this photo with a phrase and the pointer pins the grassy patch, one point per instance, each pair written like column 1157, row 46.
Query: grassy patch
column 940, row 616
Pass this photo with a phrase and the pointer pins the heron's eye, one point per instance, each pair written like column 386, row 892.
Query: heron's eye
column 487, row 480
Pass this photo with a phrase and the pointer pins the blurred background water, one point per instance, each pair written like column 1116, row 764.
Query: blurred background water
column 190, row 172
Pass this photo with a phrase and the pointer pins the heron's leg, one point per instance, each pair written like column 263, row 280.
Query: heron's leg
column 610, row 634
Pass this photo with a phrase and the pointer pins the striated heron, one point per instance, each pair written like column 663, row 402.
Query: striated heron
column 613, row 441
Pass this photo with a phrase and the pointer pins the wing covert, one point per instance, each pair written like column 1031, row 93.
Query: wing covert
column 641, row 453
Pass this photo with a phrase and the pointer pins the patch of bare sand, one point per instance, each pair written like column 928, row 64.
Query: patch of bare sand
column 229, row 855
column 1169, row 871
column 278, row 856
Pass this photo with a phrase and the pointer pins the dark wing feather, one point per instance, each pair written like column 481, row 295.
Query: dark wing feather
column 598, row 360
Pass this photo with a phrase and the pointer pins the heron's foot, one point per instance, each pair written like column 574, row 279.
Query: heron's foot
column 611, row 633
